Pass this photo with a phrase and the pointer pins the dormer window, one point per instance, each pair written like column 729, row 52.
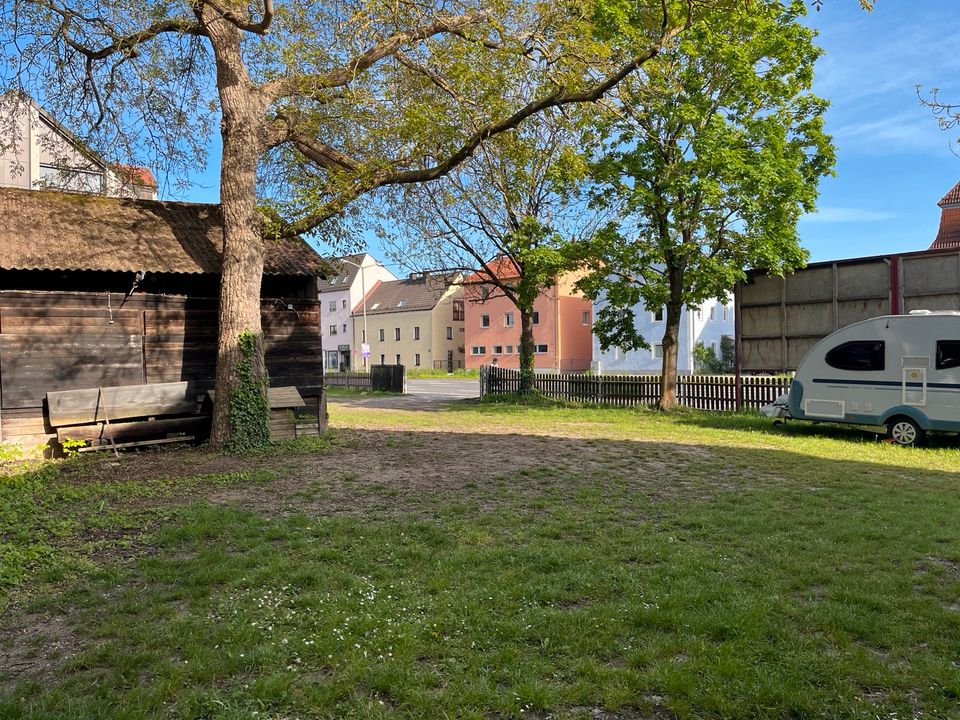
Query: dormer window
column 401, row 303
column 375, row 306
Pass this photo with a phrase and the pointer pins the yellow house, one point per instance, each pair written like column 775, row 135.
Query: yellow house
column 416, row 322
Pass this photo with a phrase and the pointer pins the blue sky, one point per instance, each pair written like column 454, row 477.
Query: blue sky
column 893, row 161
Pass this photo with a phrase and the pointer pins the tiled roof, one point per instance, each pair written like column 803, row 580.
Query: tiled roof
column 420, row 293
column 45, row 230
column 341, row 272
column 948, row 237
column 952, row 197
column 501, row 266
column 137, row 175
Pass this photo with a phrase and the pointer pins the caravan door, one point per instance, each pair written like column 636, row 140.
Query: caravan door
column 914, row 382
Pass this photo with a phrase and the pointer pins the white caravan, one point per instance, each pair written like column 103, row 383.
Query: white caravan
column 898, row 371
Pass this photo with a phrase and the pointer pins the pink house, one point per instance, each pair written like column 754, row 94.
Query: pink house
column 562, row 322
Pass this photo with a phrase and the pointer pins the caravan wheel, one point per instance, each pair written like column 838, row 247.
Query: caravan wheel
column 904, row 431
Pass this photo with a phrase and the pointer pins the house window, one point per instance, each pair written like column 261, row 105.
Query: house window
column 396, row 335
column 398, row 359
column 333, row 280
column 508, row 319
column 65, row 178
column 333, row 360
column 540, row 349
column 867, row 355
column 498, row 349
column 726, row 312
column 333, row 329
column 948, row 354
column 333, row 306
column 657, row 315
column 457, row 310
column 343, row 304
column 363, row 335
column 536, row 317
column 344, row 328
column 416, row 333
column 586, row 317
column 509, row 349
column 416, row 359
column 381, row 337
column 657, row 351
column 478, row 350
column 449, row 333
column 484, row 321
column 713, row 313
column 484, row 292
column 383, row 360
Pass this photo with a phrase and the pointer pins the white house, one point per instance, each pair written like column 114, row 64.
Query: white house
column 351, row 278
column 37, row 152
column 707, row 325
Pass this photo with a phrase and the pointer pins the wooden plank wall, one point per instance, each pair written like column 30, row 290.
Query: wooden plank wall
column 52, row 341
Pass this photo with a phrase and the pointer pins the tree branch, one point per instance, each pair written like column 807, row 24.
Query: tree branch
column 345, row 74
column 558, row 98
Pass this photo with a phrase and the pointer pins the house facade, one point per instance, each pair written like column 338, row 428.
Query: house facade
column 709, row 324
column 416, row 322
column 349, row 279
column 562, row 323
column 36, row 152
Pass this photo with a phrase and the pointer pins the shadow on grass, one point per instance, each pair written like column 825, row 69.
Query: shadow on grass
column 429, row 574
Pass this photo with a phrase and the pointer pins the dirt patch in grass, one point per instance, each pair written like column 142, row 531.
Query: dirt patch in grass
column 402, row 473
column 35, row 647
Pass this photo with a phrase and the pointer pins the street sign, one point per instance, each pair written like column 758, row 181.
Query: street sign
column 364, row 349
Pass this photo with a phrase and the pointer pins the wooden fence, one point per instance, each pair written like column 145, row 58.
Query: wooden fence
column 349, row 380
column 703, row 392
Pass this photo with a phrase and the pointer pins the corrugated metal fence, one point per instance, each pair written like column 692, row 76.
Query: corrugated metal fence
column 703, row 392
column 389, row 378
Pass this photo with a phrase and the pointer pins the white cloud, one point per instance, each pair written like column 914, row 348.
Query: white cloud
column 846, row 215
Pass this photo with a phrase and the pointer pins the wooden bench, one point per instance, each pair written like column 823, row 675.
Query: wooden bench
column 128, row 415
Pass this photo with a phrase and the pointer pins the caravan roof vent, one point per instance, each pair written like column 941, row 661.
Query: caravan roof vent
column 920, row 312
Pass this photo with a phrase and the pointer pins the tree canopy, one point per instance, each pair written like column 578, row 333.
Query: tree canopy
column 504, row 218
column 711, row 157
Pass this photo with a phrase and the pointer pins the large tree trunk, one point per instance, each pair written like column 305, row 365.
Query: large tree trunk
column 671, row 341
column 527, row 349
column 240, row 412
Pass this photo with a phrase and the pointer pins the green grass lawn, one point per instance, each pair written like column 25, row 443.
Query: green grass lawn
column 490, row 561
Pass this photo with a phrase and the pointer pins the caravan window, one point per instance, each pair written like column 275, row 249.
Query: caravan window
column 857, row 355
column 948, row 354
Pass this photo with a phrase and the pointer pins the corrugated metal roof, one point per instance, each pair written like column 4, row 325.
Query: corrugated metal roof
column 45, row 230
column 420, row 293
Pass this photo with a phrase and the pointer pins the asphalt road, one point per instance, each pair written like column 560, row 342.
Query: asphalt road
column 421, row 395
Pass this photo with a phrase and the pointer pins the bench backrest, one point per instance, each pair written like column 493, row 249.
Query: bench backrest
column 81, row 407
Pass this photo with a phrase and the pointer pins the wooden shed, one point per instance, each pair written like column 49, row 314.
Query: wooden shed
column 98, row 291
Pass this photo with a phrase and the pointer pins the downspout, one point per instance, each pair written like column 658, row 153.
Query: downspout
column 895, row 308
column 556, row 289
column 737, row 382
